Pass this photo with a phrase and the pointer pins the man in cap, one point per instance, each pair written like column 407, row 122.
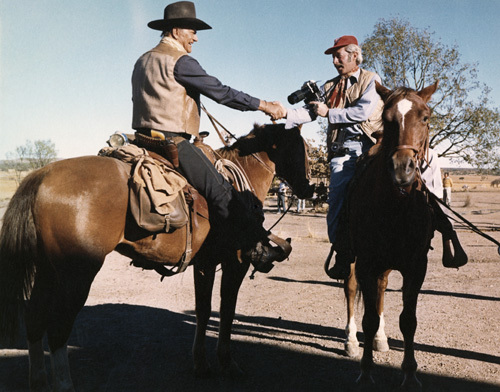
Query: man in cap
column 354, row 112
column 166, row 88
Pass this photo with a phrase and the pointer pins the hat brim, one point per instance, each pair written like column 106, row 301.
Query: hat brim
column 185, row 23
column 334, row 48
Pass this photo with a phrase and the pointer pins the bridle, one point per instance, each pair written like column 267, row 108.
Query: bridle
column 420, row 154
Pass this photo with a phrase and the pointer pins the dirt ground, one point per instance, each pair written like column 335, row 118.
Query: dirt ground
column 135, row 332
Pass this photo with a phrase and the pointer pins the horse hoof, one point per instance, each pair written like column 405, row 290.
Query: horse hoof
column 365, row 382
column 411, row 384
column 352, row 349
column 380, row 345
column 232, row 371
column 203, row 371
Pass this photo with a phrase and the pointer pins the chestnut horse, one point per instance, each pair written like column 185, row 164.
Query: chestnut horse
column 391, row 226
column 66, row 217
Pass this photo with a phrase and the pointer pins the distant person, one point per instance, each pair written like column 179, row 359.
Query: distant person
column 321, row 193
column 282, row 189
column 447, row 185
column 301, row 205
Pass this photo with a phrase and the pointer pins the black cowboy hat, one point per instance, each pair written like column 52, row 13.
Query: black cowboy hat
column 180, row 14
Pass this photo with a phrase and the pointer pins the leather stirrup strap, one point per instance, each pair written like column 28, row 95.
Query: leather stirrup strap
column 188, row 253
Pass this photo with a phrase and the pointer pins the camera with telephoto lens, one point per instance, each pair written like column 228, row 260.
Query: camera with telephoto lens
column 307, row 93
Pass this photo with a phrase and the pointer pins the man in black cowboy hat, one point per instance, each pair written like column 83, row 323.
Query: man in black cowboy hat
column 166, row 88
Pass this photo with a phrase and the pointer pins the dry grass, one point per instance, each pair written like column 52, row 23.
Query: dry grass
column 8, row 186
column 468, row 201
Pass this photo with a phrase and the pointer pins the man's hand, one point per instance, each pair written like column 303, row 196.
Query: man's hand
column 320, row 108
column 274, row 109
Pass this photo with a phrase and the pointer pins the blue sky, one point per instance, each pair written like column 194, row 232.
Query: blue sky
column 65, row 66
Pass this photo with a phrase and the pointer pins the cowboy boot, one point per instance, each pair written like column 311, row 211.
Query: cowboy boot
column 263, row 254
column 251, row 239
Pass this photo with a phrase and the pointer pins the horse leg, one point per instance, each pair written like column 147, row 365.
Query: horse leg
column 53, row 306
column 39, row 320
column 233, row 273
column 36, row 320
column 380, row 342
column 37, row 373
column 203, row 283
column 412, row 282
column 351, row 344
column 370, row 325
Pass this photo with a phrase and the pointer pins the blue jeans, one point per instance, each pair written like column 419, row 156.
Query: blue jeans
column 341, row 172
column 281, row 202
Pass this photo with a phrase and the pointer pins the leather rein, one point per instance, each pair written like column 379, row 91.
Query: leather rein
column 225, row 140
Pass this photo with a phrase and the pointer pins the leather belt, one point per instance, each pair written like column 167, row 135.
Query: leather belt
column 356, row 138
column 169, row 135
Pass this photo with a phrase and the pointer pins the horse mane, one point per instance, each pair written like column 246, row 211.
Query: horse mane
column 257, row 140
column 232, row 152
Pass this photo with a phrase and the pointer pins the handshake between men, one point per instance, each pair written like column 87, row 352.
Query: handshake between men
column 277, row 111
column 274, row 109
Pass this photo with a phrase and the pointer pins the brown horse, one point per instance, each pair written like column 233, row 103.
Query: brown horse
column 66, row 217
column 391, row 226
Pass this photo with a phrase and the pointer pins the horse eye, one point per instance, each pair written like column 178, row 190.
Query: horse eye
column 426, row 119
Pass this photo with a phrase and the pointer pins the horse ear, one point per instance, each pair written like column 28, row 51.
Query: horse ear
column 426, row 93
column 384, row 92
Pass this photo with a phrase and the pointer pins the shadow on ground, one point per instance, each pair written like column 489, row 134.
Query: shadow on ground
column 119, row 347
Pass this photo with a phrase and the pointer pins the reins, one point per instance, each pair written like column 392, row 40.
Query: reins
column 225, row 140
column 461, row 219
column 471, row 225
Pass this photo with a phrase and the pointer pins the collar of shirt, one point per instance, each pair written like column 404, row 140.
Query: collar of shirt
column 353, row 78
column 173, row 42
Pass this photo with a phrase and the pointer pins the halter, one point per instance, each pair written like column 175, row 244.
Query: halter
column 420, row 154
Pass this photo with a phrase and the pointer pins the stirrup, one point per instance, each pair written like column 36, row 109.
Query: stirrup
column 454, row 255
column 285, row 245
column 341, row 270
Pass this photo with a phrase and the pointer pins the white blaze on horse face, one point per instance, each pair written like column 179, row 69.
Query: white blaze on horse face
column 404, row 106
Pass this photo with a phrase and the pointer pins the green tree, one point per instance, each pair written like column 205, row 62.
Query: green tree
column 30, row 156
column 318, row 161
column 464, row 125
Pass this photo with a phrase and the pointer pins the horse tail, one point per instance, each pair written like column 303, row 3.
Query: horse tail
column 18, row 255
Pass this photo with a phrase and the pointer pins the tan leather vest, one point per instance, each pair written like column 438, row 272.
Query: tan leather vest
column 353, row 93
column 159, row 102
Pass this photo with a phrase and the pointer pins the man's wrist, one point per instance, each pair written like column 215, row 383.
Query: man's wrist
column 263, row 106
